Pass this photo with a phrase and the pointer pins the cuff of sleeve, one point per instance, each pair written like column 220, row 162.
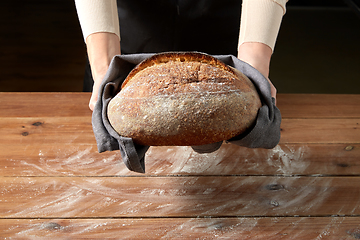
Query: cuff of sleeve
column 260, row 21
column 98, row 16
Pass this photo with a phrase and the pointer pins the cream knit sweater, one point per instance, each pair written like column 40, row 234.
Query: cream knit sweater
column 260, row 19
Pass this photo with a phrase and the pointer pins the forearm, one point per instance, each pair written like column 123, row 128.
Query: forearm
column 101, row 48
column 256, row 54
column 259, row 27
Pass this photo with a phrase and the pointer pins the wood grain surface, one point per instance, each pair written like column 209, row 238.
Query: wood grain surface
column 247, row 228
column 84, row 160
column 194, row 196
column 54, row 183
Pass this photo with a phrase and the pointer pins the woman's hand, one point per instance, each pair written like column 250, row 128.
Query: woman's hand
column 101, row 48
column 257, row 55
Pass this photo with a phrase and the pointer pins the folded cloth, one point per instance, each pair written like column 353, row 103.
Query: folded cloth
column 265, row 133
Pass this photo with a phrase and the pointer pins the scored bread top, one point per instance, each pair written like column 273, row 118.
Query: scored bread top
column 179, row 57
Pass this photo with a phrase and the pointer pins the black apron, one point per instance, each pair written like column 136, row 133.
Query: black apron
column 153, row 26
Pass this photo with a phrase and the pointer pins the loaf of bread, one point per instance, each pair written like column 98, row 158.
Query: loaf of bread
column 183, row 99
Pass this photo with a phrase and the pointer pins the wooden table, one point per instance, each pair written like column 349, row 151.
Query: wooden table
column 55, row 185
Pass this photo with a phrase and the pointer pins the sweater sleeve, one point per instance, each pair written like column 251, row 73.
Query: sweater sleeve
column 98, row 16
column 261, row 20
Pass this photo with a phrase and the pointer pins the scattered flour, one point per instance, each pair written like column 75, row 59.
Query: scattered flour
column 289, row 160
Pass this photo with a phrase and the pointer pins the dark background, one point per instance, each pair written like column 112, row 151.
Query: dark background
column 42, row 48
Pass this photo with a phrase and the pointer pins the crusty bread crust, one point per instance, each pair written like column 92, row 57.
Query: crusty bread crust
column 178, row 57
column 183, row 99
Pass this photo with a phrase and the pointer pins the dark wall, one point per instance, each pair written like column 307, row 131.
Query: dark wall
column 41, row 46
column 318, row 50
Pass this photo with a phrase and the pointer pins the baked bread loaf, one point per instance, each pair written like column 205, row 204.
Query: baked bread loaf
column 183, row 99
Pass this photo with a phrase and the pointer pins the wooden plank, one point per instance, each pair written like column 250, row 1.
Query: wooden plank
column 15, row 104
column 192, row 228
column 58, row 160
column 55, row 130
column 231, row 196
column 76, row 104
column 320, row 131
column 84, row 160
column 65, row 130
column 319, row 105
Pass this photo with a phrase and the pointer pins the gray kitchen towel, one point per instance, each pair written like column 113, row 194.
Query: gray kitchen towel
column 265, row 133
